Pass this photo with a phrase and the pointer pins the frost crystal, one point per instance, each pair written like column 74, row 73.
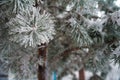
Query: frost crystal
column 30, row 28
column 98, row 23
column 117, row 51
column 116, row 17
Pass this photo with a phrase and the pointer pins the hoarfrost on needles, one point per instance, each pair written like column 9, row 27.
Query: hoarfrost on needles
column 117, row 51
column 116, row 17
column 29, row 28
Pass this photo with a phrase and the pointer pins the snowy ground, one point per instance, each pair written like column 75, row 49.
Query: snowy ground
column 114, row 74
column 69, row 77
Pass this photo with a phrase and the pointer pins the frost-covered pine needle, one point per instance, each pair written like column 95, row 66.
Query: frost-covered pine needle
column 30, row 28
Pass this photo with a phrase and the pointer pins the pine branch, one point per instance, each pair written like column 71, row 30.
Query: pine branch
column 32, row 29
column 69, row 65
column 36, row 4
column 65, row 53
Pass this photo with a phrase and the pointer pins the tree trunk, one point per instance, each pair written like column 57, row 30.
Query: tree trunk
column 82, row 74
column 42, row 52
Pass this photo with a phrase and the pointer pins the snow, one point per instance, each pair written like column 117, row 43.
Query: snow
column 114, row 74
column 117, row 2
column 117, row 51
column 68, row 77
column 69, row 7
column 116, row 17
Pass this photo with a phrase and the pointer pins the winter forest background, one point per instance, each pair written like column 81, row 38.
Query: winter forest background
column 60, row 39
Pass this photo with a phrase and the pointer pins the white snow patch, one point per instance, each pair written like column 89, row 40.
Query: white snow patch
column 117, row 2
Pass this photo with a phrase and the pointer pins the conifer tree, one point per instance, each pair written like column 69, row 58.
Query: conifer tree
column 38, row 37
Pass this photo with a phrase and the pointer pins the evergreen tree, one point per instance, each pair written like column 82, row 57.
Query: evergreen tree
column 79, row 35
